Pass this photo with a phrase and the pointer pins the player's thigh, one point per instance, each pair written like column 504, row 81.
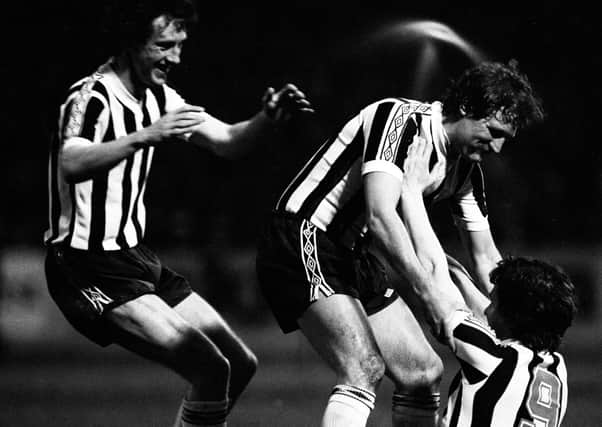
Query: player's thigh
column 150, row 327
column 202, row 316
column 337, row 327
column 408, row 355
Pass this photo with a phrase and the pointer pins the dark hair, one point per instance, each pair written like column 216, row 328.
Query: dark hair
column 536, row 299
column 489, row 87
column 128, row 23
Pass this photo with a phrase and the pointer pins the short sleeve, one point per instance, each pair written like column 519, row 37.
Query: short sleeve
column 470, row 208
column 474, row 344
column 467, row 214
column 86, row 114
column 390, row 126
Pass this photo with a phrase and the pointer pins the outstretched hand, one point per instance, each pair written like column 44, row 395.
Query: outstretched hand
column 175, row 125
column 416, row 174
column 282, row 105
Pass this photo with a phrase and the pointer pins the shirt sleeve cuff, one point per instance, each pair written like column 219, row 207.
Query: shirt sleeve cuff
column 382, row 166
column 451, row 323
column 75, row 141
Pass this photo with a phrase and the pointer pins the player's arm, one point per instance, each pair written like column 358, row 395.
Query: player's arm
column 391, row 239
column 483, row 255
column 475, row 234
column 81, row 158
column 439, row 296
column 232, row 140
column 473, row 297
column 388, row 233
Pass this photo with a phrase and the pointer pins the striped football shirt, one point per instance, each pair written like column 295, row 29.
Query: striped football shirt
column 107, row 211
column 502, row 383
column 328, row 189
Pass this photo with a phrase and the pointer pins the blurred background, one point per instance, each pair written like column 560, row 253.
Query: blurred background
column 205, row 213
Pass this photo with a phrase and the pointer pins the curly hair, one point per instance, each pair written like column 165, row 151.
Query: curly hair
column 129, row 23
column 536, row 299
column 489, row 87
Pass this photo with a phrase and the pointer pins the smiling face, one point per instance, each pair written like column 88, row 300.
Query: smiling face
column 152, row 61
column 472, row 139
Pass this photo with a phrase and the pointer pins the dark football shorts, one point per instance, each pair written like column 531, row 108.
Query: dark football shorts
column 297, row 264
column 85, row 284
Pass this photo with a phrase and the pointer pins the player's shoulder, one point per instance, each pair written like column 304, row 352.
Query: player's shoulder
column 465, row 317
column 93, row 85
column 405, row 106
column 412, row 106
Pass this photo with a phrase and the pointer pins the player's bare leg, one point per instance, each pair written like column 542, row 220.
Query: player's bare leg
column 152, row 329
column 338, row 329
column 412, row 365
column 243, row 362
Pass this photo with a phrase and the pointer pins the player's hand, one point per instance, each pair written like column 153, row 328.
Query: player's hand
column 416, row 174
column 282, row 105
column 175, row 125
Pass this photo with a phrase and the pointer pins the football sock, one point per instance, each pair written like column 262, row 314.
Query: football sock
column 197, row 414
column 415, row 410
column 348, row 406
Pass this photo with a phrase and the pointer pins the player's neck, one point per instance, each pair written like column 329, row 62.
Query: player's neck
column 449, row 128
column 122, row 67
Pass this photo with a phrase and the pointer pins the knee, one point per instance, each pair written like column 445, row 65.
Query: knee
column 375, row 369
column 367, row 372
column 423, row 377
column 247, row 364
column 197, row 358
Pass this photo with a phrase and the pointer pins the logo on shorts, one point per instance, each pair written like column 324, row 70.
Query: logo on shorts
column 97, row 298
column 309, row 254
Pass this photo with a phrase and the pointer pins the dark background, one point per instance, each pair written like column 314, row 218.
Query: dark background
column 204, row 213
column 545, row 190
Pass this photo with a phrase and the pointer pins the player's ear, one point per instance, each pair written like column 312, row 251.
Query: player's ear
column 462, row 110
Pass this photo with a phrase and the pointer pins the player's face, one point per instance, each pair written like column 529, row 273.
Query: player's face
column 474, row 139
column 152, row 62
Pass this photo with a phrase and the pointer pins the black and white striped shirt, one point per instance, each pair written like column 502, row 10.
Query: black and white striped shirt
column 502, row 383
column 106, row 212
column 328, row 190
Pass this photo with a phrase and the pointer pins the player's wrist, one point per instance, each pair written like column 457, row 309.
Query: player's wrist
column 140, row 139
column 410, row 189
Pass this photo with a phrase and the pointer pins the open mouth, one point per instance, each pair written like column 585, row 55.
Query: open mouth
column 163, row 69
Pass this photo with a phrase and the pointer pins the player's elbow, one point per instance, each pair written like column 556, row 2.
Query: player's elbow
column 71, row 170
column 221, row 144
column 72, row 164
column 221, row 150
column 378, row 222
column 437, row 310
column 374, row 224
column 433, row 269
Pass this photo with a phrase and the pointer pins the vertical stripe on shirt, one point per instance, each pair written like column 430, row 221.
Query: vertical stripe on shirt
column 303, row 174
column 141, row 178
column 409, row 131
column 104, row 211
column 126, row 183
column 333, row 176
column 376, row 130
column 99, row 199
column 455, row 390
column 487, row 397
column 525, row 385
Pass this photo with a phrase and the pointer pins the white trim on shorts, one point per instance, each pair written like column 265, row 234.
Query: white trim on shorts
column 309, row 257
